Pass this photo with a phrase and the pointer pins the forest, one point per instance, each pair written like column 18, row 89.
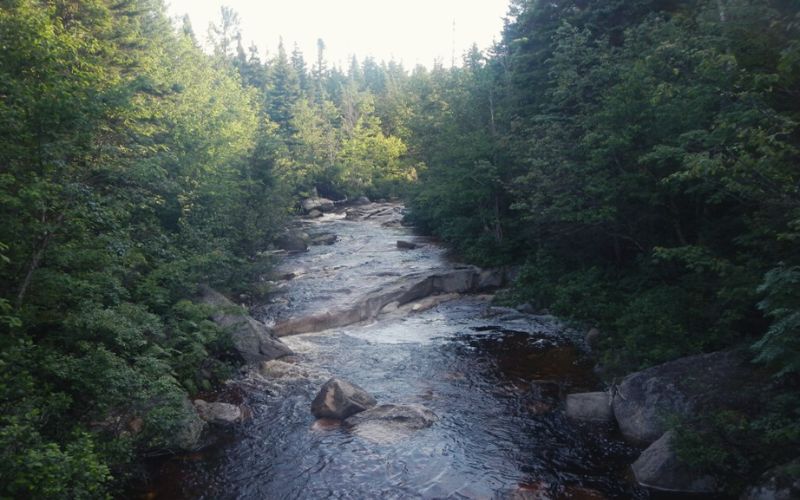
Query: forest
column 639, row 160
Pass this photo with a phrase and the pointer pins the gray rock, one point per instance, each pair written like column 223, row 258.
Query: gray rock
column 291, row 243
column 406, row 245
column 340, row 399
column 252, row 339
column 779, row 483
column 190, row 428
column 390, row 422
column 324, row 239
column 321, row 204
column 590, row 406
column 218, row 413
column 315, row 214
column 489, row 279
column 685, row 387
column 658, row 468
column 361, row 200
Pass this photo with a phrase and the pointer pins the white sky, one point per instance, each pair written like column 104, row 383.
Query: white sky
column 411, row 31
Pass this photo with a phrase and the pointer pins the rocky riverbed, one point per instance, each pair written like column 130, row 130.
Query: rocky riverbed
column 468, row 398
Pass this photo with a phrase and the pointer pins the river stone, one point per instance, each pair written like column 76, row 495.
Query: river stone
column 324, row 239
column 341, row 399
column 218, row 413
column 779, row 483
column 685, row 387
column 252, row 340
column 361, row 200
column 291, row 243
column 321, row 204
column 489, row 279
column 590, row 407
column 314, row 214
column 406, row 245
column 658, row 468
column 390, row 422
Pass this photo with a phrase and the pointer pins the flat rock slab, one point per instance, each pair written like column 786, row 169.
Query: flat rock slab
column 340, row 399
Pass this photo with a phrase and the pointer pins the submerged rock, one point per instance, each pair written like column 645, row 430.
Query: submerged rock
column 324, row 239
column 218, row 413
column 390, row 422
column 658, row 468
column 590, row 407
column 252, row 340
column 340, row 399
column 406, row 245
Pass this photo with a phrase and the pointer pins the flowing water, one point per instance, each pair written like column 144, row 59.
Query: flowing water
column 496, row 380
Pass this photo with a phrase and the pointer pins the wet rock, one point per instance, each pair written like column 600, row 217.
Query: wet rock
column 390, row 422
column 341, row 399
column 685, row 387
column 218, row 413
column 252, row 340
column 406, row 245
column 390, row 307
column 433, row 301
column 361, row 200
column 326, row 424
column 324, row 239
column 658, row 468
column 320, row 204
column 277, row 369
column 405, row 290
column 779, row 483
column 590, row 407
column 314, row 214
column 291, row 243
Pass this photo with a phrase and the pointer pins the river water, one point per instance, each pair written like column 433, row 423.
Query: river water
column 496, row 380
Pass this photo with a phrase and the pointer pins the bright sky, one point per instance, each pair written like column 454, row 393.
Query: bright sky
column 411, row 31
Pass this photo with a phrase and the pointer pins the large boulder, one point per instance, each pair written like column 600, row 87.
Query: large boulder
column 321, row 204
column 590, row 407
column 779, row 483
column 251, row 338
column 291, row 243
column 391, row 422
column 658, row 468
column 340, row 399
column 218, row 413
column 684, row 388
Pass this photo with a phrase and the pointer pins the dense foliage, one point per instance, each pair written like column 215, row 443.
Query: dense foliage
column 134, row 167
column 639, row 158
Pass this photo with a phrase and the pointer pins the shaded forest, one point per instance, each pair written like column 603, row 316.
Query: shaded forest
column 638, row 159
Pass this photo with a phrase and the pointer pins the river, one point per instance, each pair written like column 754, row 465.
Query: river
column 495, row 378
